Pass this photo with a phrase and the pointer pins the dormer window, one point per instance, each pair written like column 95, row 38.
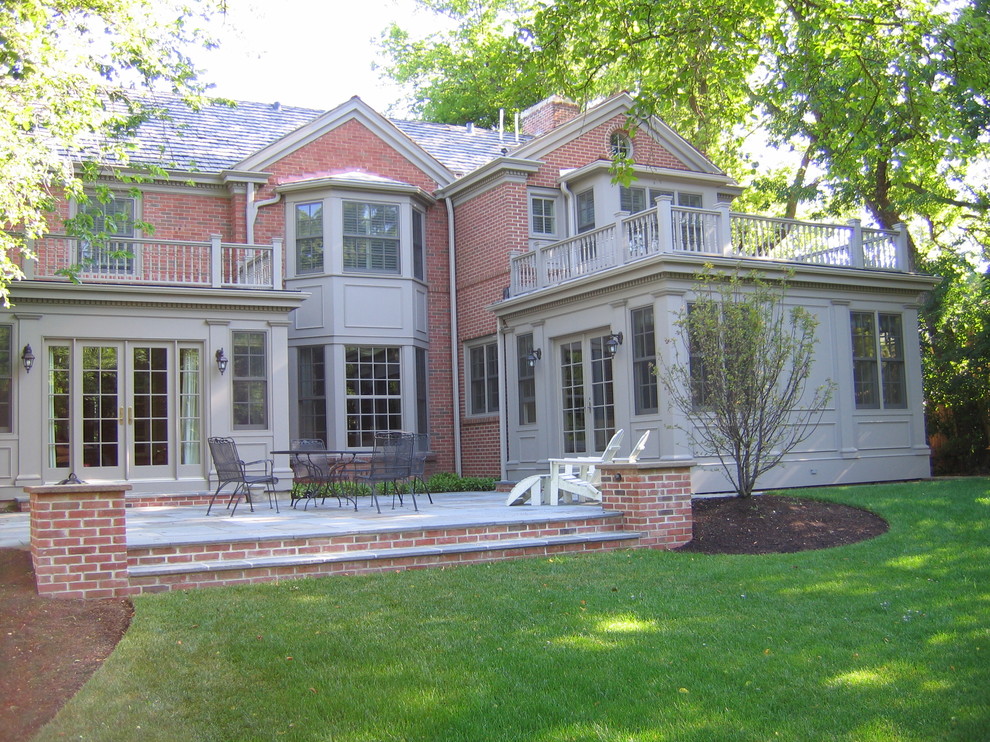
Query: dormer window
column 619, row 145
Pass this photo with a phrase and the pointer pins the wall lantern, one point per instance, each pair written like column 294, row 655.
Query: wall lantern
column 612, row 344
column 27, row 358
column 534, row 356
column 222, row 361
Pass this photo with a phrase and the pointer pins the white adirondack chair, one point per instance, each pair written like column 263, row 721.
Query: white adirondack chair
column 638, row 448
column 576, row 478
column 534, row 489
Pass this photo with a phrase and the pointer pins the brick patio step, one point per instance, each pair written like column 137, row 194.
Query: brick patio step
column 553, row 544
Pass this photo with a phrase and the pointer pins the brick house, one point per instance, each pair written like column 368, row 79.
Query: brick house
column 327, row 274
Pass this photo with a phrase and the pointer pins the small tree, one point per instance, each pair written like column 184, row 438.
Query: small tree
column 742, row 383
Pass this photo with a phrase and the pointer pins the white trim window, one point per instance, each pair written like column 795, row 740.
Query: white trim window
column 371, row 237
column 373, row 392
column 250, row 380
column 543, row 221
column 620, row 145
column 644, row 357
column 585, row 205
column 634, row 199
column 309, row 237
column 114, row 216
column 878, row 361
column 483, row 378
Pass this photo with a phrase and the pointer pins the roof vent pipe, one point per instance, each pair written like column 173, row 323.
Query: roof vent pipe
column 470, row 127
column 517, row 127
column 501, row 123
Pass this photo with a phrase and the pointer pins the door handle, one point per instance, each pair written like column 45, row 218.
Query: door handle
column 120, row 416
column 130, row 415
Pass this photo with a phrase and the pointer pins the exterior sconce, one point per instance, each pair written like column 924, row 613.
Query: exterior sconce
column 612, row 344
column 534, row 356
column 222, row 361
column 27, row 358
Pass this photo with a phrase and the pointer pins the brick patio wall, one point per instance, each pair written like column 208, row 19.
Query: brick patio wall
column 655, row 498
column 79, row 540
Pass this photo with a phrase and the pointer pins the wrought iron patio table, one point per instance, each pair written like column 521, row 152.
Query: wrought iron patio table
column 322, row 472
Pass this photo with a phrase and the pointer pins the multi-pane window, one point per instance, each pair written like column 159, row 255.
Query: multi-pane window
column 6, row 377
column 104, row 220
column 312, row 393
column 644, row 350
column 634, row 200
column 371, row 237
column 878, row 360
column 190, row 404
column 526, row 380
column 150, row 394
column 309, row 237
column 483, row 383
column 250, row 382
column 419, row 244
column 619, row 145
column 586, row 210
column 543, row 216
column 373, row 392
column 59, row 405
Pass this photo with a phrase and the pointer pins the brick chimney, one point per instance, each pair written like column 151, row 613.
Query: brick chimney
column 547, row 115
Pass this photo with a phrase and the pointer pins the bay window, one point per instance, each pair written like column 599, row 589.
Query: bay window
column 373, row 392
column 309, row 237
column 371, row 237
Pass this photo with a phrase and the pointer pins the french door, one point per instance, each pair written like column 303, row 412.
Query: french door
column 587, row 396
column 124, row 410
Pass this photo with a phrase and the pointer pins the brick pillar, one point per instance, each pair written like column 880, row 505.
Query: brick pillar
column 79, row 540
column 655, row 497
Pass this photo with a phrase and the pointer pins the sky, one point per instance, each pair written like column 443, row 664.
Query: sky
column 309, row 53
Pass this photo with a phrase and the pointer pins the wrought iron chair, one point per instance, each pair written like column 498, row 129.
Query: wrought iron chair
column 309, row 471
column 319, row 474
column 231, row 469
column 417, row 469
column 391, row 461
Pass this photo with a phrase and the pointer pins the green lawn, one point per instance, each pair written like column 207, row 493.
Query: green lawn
column 883, row 640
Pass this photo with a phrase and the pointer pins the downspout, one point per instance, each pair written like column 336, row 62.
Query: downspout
column 455, row 356
column 503, row 406
column 252, row 210
column 568, row 197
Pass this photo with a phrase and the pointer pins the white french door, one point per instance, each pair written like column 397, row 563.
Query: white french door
column 587, row 396
column 123, row 410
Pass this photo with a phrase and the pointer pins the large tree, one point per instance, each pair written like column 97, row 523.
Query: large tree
column 74, row 75
column 882, row 103
column 870, row 105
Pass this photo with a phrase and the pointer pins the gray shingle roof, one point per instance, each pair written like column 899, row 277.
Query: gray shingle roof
column 217, row 137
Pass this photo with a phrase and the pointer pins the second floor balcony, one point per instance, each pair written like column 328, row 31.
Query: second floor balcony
column 669, row 229
column 152, row 262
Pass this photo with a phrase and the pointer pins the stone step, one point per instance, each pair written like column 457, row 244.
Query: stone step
column 437, row 553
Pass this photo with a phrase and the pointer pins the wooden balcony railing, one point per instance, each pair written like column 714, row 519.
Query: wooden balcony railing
column 212, row 264
column 669, row 229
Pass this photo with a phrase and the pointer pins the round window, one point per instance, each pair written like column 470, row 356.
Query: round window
column 619, row 145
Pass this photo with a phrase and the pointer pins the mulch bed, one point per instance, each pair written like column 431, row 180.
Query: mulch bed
column 769, row 524
column 49, row 648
